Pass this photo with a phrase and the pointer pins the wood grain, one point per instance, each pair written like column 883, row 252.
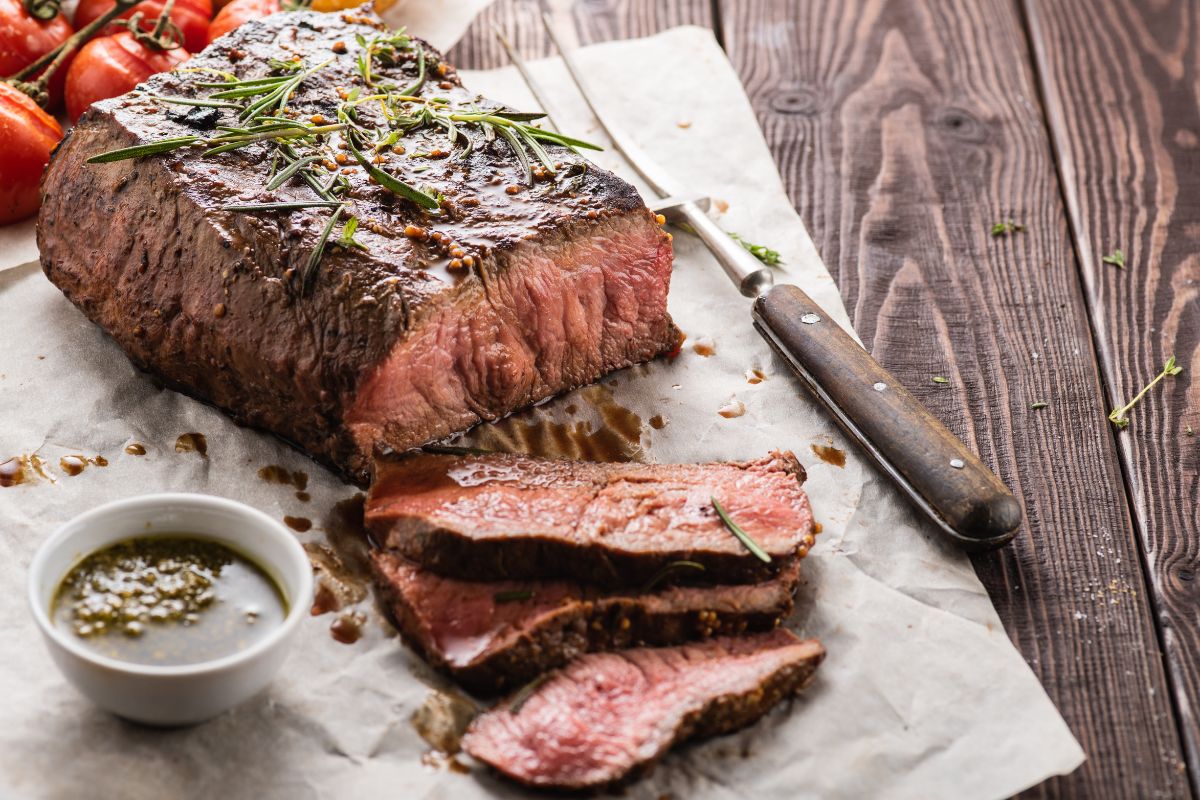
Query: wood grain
column 1121, row 81
column 904, row 130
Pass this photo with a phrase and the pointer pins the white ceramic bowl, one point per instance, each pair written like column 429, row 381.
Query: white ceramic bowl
column 189, row 693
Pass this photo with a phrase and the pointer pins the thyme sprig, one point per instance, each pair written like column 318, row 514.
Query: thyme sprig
column 1119, row 416
column 744, row 537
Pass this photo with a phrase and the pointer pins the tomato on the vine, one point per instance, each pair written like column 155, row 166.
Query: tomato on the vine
column 190, row 16
column 112, row 65
column 239, row 11
column 25, row 38
column 27, row 136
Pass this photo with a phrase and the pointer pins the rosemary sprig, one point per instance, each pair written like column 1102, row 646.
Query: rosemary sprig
column 666, row 570
column 314, row 259
column 142, row 150
column 296, row 206
column 513, row 596
column 763, row 253
column 744, row 537
column 526, row 691
column 1119, row 416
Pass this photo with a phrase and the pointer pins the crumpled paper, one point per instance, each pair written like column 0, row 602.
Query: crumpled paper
column 922, row 694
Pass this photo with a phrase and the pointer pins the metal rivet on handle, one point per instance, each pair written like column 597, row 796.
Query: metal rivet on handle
column 957, row 463
column 879, row 387
column 810, row 319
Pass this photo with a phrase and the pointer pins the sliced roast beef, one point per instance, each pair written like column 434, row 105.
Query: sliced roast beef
column 608, row 717
column 504, row 516
column 523, row 283
column 492, row 636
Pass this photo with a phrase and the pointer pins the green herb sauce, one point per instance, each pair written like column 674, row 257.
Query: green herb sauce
column 168, row 600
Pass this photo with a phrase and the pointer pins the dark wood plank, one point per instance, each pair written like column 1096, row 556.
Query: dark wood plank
column 1121, row 80
column 903, row 131
column 591, row 20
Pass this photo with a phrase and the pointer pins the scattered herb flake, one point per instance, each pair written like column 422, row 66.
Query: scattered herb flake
column 1119, row 416
column 1039, row 404
column 763, row 253
column 1116, row 258
column 736, row 530
column 1006, row 227
column 940, row 379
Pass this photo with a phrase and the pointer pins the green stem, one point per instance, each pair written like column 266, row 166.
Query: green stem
column 1118, row 418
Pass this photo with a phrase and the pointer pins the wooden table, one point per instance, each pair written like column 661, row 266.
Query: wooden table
column 904, row 130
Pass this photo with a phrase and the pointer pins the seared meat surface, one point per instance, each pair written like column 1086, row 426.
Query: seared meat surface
column 523, row 282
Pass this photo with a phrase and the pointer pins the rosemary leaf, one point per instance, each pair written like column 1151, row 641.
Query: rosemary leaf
column 744, row 537
column 296, row 206
column 667, row 569
column 194, row 101
column 518, row 151
column 391, row 182
column 314, row 260
column 141, row 150
column 526, row 691
column 285, row 174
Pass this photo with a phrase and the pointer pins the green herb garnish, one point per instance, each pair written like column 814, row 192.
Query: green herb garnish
column 1118, row 416
column 667, row 569
column 940, row 379
column 1006, row 227
column 763, row 253
column 513, row 596
column 1038, row 405
column 744, row 537
column 526, row 691
column 1116, row 258
column 347, row 239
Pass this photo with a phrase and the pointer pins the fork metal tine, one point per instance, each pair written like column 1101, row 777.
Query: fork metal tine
column 539, row 94
column 651, row 172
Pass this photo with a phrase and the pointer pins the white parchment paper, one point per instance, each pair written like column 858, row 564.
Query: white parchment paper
column 922, row 694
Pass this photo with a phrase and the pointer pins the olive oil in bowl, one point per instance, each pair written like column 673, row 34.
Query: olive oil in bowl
column 168, row 599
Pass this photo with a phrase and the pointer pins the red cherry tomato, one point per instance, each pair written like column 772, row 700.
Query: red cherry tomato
column 239, row 11
column 27, row 136
column 24, row 39
column 190, row 16
column 112, row 65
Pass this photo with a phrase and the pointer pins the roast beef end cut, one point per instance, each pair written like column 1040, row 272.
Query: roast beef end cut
column 438, row 321
column 609, row 717
column 504, row 516
column 491, row 636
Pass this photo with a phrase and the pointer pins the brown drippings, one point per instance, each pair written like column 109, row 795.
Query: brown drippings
column 348, row 628
column 135, row 449
column 830, row 454
column 192, row 443
column 618, row 439
column 343, row 563
column 73, row 465
column 303, row 497
column 100, row 461
column 732, row 408
column 705, row 347
column 443, row 719
column 817, row 528
column 572, row 408
column 755, row 376
column 657, row 422
column 22, row 469
column 12, row 472
column 300, row 524
column 273, row 473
